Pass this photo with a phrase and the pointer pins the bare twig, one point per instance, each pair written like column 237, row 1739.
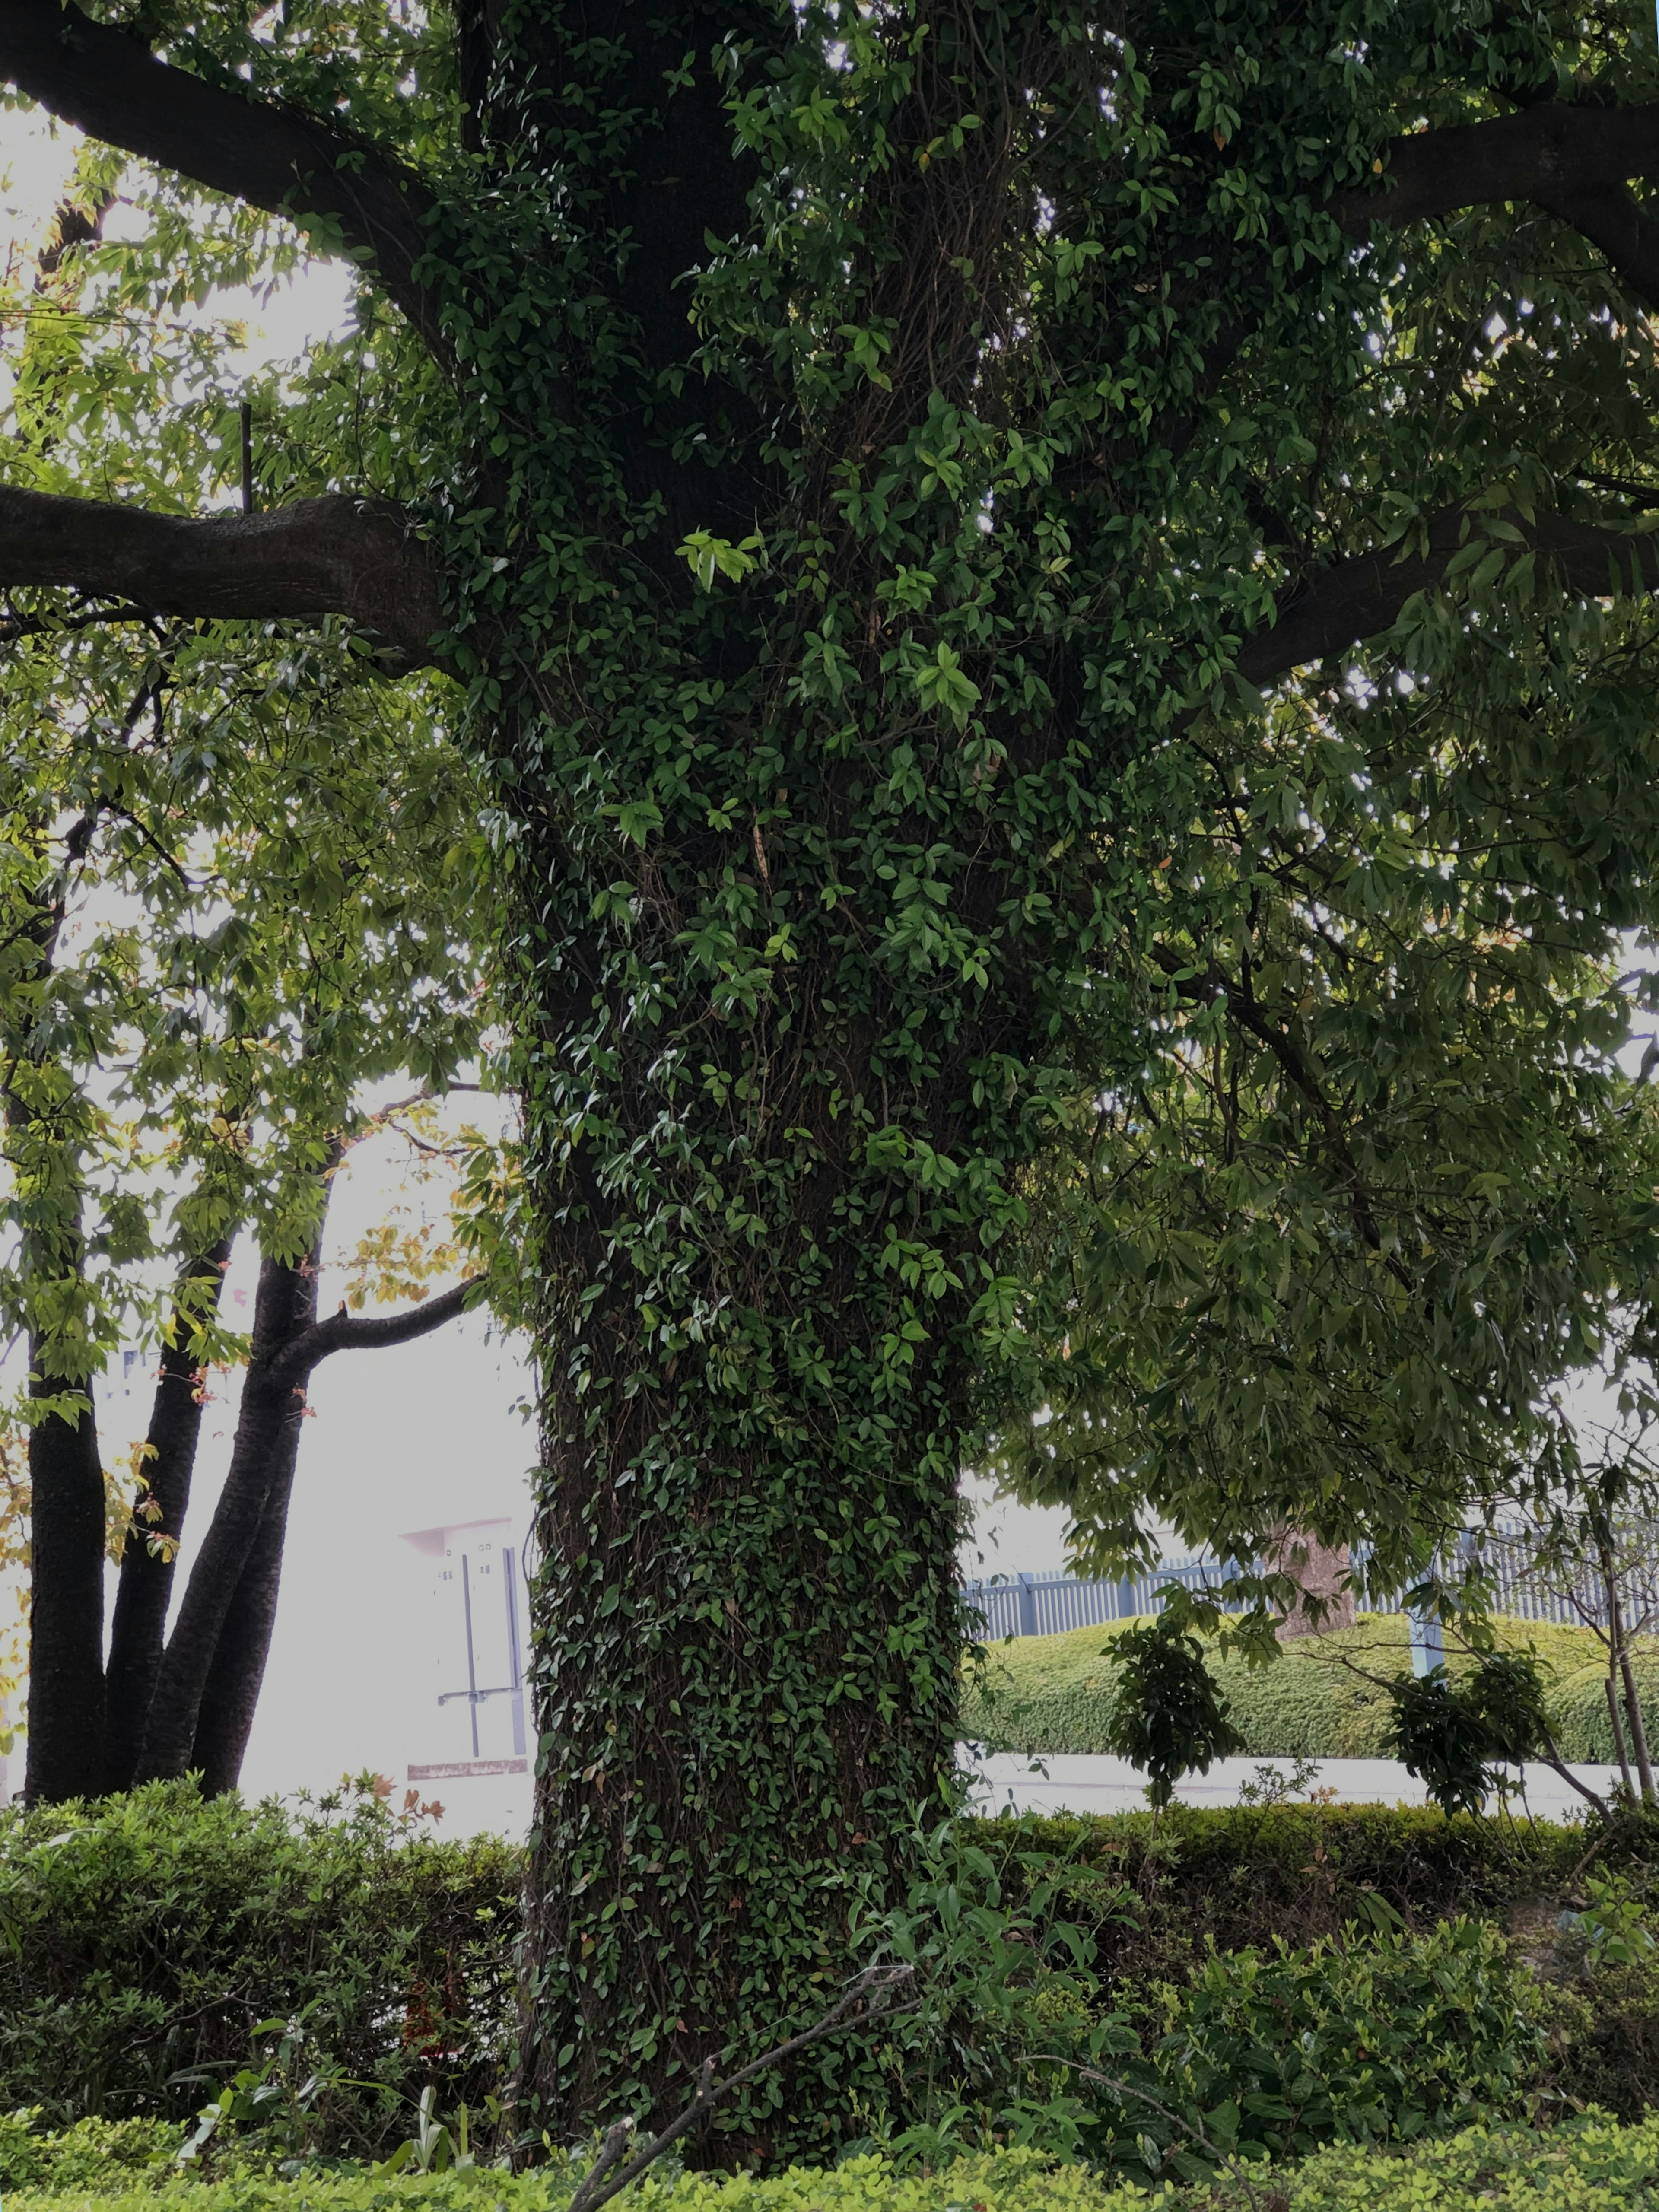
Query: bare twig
column 1224, row 2158
column 871, row 1995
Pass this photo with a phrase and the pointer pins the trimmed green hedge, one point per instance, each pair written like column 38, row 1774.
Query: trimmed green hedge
column 147, row 1934
column 1591, row 2166
column 1050, row 1694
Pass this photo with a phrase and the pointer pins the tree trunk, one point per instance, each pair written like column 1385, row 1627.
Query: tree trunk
column 145, row 1590
column 1320, row 1572
column 267, row 1436
column 1618, row 1745
column 1638, row 1734
column 66, row 1603
column 757, row 1356
column 231, row 1693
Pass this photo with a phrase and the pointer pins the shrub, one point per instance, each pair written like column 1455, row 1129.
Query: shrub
column 1053, row 1693
column 1383, row 2038
column 1382, row 2033
column 1237, row 1877
column 93, row 2154
column 145, row 1936
column 1166, row 1715
column 1594, row 2166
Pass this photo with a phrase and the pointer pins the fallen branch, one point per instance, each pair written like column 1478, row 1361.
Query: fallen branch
column 870, row 1997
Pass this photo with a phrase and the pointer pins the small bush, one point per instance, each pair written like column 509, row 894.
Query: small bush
column 1378, row 2040
column 145, row 1937
column 1238, row 1877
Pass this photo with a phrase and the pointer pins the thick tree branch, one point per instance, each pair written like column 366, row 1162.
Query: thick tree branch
column 1572, row 160
column 336, row 555
column 345, row 1332
column 1337, row 606
column 278, row 158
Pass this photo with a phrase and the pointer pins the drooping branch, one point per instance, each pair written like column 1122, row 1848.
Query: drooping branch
column 335, row 555
column 1573, row 161
column 275, row 157
column 346, row 1332
column 1338, row 606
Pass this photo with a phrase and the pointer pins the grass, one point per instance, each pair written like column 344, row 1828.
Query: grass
column 1051, row 1693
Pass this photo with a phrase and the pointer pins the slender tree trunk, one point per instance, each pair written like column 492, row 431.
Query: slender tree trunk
column 1638, row 1734
column 145, row 1590
column 231, row 1693
column 1618, row 1744
column 267, row 1436
column 1619, row 1643
column 66, row 1757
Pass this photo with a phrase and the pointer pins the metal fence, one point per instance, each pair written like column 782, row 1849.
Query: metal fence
column 1046, row 1605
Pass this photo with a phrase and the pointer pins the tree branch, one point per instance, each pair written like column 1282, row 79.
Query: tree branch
column 1573, row 161
column 345, row 1332
column 103, row 80
column 1337, row 606
column 336, row 555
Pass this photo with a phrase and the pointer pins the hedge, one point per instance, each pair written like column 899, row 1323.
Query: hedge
column 1590, row 2165
column 145, row 1938
column 1050, row 1694
column 148, row 1936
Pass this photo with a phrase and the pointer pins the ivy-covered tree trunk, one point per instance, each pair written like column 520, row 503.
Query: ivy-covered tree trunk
column 747, row 1612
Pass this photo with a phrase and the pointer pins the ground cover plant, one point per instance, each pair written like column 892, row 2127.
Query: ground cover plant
column 1052, row 1693
column 1594, row 2165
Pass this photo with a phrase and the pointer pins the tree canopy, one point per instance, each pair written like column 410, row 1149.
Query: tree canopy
column 1001, row 558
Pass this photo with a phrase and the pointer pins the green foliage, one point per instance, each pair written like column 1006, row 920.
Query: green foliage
column 1239, row 1877
column 91, row 2155
column 1165, row 1715
column 1378, row 2032
column 1380, row 2038
column 146, row 1943
column 1053, row 1693
column 1604, row 2030
column 1441, row 1735
column 1587, row 2166
column 1614, row 1923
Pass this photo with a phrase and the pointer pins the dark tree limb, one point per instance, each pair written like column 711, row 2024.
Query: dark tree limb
column 236, row 1673
column 275, row 157
column 1336, row 607
column 138, row 1631
column 335, row 555
column 65, row 1743
column 1572, row 160
column 346, row 1332
column 267, row 1438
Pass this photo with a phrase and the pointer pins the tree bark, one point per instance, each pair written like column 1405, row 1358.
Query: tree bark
column 357, row 557
column 1609, row 1684
column 66, row 1603
column 230, row 1694
column 145, row 1590
column 267, row 1436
